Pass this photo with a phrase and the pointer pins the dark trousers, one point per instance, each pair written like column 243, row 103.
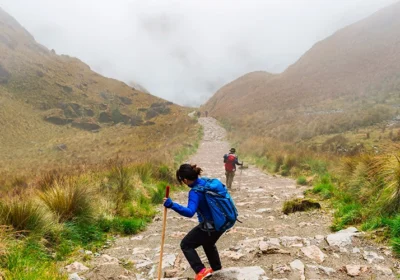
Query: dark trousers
column 196, row 238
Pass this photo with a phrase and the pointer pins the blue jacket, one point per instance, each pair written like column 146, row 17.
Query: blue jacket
column 196, row 204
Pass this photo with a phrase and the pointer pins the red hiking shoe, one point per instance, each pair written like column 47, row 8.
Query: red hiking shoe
column 204, row 273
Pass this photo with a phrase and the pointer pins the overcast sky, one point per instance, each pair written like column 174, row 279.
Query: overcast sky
column 185, row 50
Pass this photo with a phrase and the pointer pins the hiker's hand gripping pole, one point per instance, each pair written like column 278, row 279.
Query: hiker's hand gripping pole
column 163, row 236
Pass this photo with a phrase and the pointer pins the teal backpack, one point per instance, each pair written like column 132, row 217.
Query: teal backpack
column 221, row 205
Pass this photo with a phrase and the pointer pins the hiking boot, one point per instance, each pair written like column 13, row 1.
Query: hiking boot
column 204, row 273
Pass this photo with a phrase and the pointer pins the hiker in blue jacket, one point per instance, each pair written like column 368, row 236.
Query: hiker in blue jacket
column 203, row 234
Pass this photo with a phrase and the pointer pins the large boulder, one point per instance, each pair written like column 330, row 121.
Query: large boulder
column 160, row 108
column 136, row 120
column 88, row 112
column 57, row 120
column 151, row 113
column 56, row 116
column 118, row 117
column 105, row 117
column 85, row 125
column 125, row 100
column 342, row 238
column 313, row 253
column 65, row 88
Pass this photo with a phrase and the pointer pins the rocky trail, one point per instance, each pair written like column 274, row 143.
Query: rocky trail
column 267, row 245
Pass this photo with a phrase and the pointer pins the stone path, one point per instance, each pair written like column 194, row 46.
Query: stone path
column 267, row 245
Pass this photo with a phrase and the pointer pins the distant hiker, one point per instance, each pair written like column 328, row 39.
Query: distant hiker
column 206, row 112
column 198, row 114
column 230, row 160
column 203, row 194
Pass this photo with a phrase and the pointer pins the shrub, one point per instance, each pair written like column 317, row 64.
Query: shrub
column 122, row 188
column 68, row 201
column 317, row 166
column 159, row 193
column 302, row 181
column 23, row 215
column 279, row 162
column 164, row 173
column 144, row 171
column 299, row 205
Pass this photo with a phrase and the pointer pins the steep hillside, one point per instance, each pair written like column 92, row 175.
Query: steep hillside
column 348, row 80
column 55, row 111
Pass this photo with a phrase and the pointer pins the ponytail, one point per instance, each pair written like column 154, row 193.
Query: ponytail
column 188, row 172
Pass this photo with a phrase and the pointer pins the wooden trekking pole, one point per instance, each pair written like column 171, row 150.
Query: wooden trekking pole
column 163, row 235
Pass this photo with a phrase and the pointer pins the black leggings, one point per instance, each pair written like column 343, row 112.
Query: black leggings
column 196, row 238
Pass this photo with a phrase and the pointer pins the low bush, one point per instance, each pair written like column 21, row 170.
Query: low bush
column 128, row 225
column 302, row 180
column 324, row 187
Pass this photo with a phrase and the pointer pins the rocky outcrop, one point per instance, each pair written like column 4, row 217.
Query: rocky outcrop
column 65, row 88
column 58, row 120
column 105, row 117
column 56, row 116
column 86, row 125
column 125, row 100
column 88, row 112
column 151, row 113
column 136, row 120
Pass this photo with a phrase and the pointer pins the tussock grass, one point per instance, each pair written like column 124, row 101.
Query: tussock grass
column 145, row 171
column 299, row 205
column 68, row 200
column 23, row 215
column 77, row 211
column 121, row 187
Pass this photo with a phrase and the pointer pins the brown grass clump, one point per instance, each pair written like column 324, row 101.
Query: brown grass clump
column 22, row 214
column 68, row 200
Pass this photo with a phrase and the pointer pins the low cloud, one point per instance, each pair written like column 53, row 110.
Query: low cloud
column 184, row 50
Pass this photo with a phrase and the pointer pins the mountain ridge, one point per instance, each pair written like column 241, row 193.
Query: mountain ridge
column 352, row 70
column 48, row 100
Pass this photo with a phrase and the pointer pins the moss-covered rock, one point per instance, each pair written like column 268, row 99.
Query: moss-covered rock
column 299, row 205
